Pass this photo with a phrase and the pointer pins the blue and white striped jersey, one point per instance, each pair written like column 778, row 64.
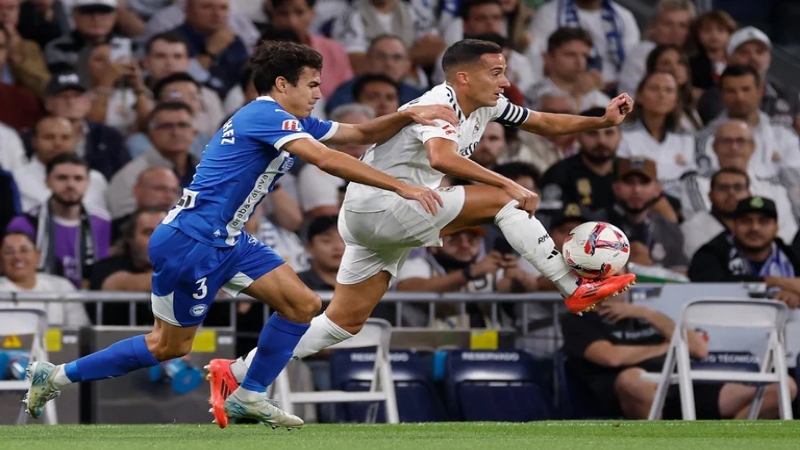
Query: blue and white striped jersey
column 240, row 164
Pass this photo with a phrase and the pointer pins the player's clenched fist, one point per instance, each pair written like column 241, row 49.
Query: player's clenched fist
column 428, row 114
column 527, row 200
column 618, row 109
column 429, row 199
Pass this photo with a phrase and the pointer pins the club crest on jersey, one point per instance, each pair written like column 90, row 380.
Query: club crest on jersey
column 290, row 125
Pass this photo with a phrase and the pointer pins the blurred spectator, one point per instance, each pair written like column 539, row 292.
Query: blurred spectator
column 101, row 145
column 568, row 50
column 516, row 17
column 43, row 21
column 655, row 241
column 609, row 349
column 711, row 32
column 18, row 262
column 379, row 92
column 25, row 61
column 171, row 132
column 27, row 108
column 750, row 46
column 70, row 237
column 220, row 54
column 364, row 20
column 277, row 222
column 54, row 136
column 672, row 60
column 526, row 176
column 491, row 145
column 156, row 188
column 319, row 191
column 654, row 131
column 9, row 198
column 387, row 55
column 613, row 29
column 167, row 54
column 750, row 252
column 12, row 150
column 460, row 265
column 671, row 24
column 296, row 15
column 130, row 271
column 585, row 178
column 172, row 16
column 777, row 145
column 94, row 25
column 325, row 248
column 119, row 96
column 734, row 147
column 728, row 187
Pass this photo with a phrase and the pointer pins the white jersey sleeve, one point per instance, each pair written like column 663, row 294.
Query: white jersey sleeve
column 508, row 114
column 442, row 129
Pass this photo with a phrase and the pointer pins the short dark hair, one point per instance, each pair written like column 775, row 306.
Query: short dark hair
column 274, row 59
column 245, row 77
column 168, row 36
column 740, row 70
column 129, row 226
column 568, row 34
column 364, row 80
column 514, row 170
column 279, row 3
column 466, row 6
column 383, row 37
column 168, row 106
column 66, row 158
column 177, row 77
column 594, row 112
column 320, row 225
column 467, row 51
column 729, row 171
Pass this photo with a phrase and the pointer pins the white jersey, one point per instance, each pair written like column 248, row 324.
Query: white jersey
column 404, row 156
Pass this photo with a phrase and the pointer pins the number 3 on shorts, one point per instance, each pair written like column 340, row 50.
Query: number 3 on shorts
column 202, row 290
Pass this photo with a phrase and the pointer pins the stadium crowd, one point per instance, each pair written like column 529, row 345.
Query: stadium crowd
column 106, row 107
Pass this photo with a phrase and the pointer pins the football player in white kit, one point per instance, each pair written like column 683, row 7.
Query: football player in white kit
column 380, row 228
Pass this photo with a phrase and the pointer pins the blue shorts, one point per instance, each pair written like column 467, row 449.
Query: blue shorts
column 187, row 274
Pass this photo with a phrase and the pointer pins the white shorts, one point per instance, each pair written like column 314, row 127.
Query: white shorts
column 381, row 240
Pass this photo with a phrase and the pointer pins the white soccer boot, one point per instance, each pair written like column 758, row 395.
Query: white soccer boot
column 263, row 410
column 40, row 374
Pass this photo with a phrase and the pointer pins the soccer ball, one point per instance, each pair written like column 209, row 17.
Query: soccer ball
column 596, row 249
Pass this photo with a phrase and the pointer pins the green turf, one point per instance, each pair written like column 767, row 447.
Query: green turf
column 760, row 435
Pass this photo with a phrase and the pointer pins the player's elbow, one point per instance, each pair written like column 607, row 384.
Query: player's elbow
column 439, row 160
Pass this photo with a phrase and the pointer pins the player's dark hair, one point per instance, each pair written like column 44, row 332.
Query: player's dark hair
column 490, row 37
column 740, row 70
column 594, row 112
column 514, row 170
column 467, row 51
column 245, row 77
column 364, row 80
column 178, row 77
column 568, row 34
column 168, row 36
column 168, row 106
column 729, row 171
column 66, row 158
column 273, row 59
column 278, row 3
column 466, row 6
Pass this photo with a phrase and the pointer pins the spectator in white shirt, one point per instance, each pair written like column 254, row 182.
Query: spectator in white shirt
column 613, row 29
column 19, row 260
column 12, row 150
column 670, row 27
column 568, row 50
column 318, row 190
column 51, row 137
column 653, row 131
column 671, row 59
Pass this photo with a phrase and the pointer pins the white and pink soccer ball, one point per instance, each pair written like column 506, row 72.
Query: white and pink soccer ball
column 596, row 249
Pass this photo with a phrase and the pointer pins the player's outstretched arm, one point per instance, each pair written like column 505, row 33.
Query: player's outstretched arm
column 444, row 157
column 346, row 167
column 547, row 124
column 382, row 128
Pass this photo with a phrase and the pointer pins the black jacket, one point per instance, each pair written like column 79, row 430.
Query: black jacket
column 712, row 262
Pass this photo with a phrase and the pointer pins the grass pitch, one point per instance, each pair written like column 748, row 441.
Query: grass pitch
column 434, row 436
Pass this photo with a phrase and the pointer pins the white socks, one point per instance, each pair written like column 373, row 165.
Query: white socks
column 60, row 379
column 320, row 335
column 528, row 237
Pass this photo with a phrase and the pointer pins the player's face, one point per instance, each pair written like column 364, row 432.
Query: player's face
column 53, row 137
column 754, row 231
column 300, row 99
column 488, row 80
column 18, row 257
column 727, row 191
column 491, row 145
column 658, row 94
column 326, row 249
column 145, row 224
column 68, row 182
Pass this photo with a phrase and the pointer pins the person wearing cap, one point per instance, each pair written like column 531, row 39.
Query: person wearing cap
column 655, row 240
column 102, row 146
column 752, row 250
column 94, row 25
column 752, row 47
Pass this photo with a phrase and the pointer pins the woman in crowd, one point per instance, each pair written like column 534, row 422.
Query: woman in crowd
column 672, row 60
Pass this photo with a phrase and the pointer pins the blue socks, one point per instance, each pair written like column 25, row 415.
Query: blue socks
column 118, row 359
column 276, row 344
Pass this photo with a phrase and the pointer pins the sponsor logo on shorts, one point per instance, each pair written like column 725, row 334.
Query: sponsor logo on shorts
column 197, row 310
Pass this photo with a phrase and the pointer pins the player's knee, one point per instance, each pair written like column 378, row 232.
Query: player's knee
column 303, row 308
